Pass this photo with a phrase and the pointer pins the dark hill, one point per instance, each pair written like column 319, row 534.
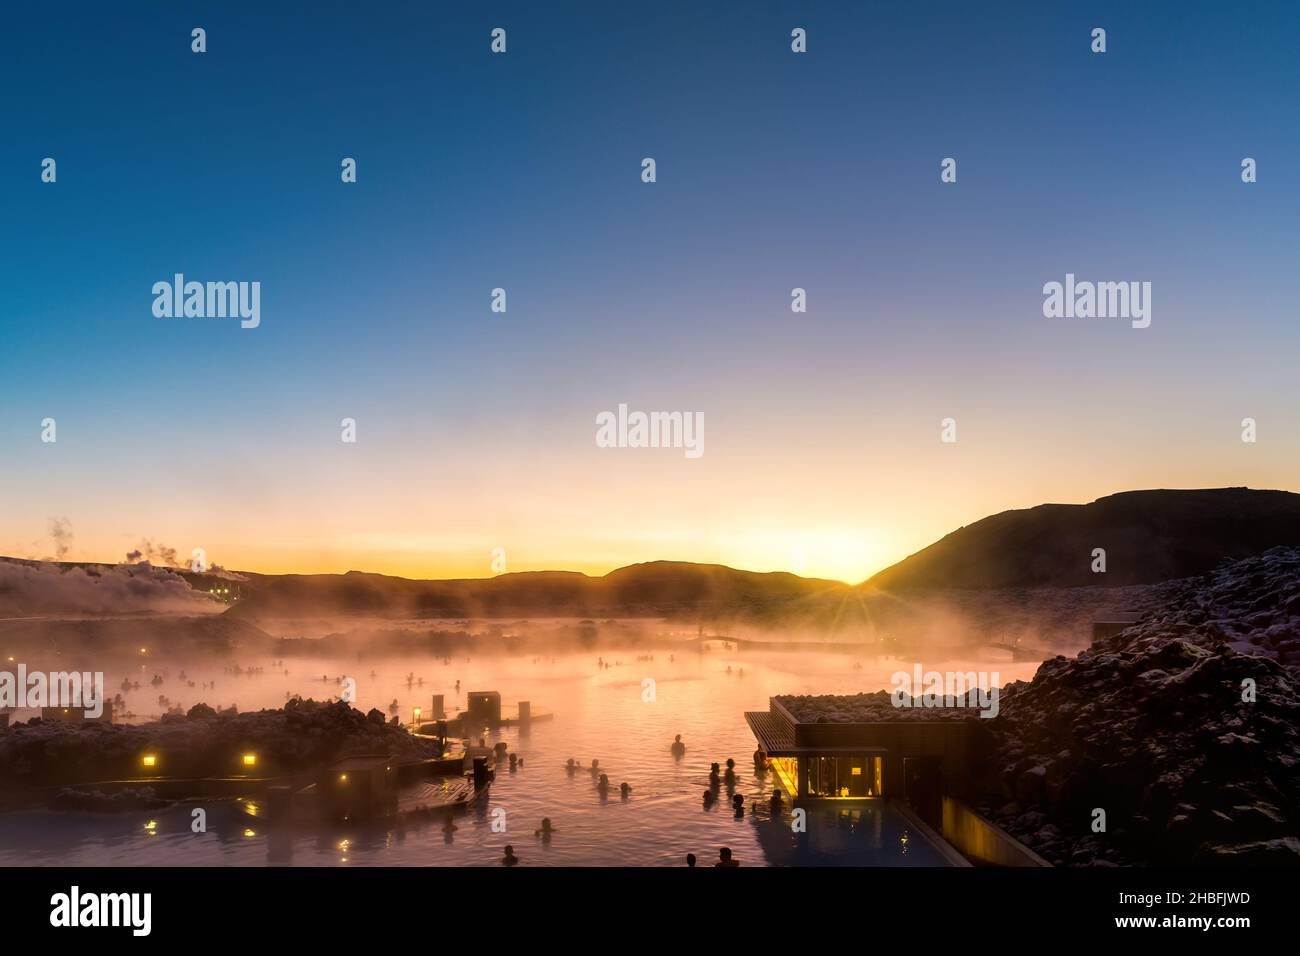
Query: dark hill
column 1148, row 536
column 654, row 589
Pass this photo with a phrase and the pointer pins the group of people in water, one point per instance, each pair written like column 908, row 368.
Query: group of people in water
column 717, row 778
column 572, row 766
column 545, row 831
column 725, row 859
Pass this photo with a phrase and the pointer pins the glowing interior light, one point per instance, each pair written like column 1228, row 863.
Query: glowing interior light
column 250, row 760
column 149, row 760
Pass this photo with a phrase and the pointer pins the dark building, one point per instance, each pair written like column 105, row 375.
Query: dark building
column 916, row 755
column 357, row 788
column 484, row 707
column 77, row 715
column 1107, row 625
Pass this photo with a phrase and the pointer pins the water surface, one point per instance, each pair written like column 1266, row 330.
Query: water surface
column 600, row 713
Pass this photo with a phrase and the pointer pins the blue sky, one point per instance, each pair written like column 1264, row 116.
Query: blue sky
column 775, row 170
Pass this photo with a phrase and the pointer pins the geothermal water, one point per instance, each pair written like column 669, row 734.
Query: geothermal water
column 599, row 714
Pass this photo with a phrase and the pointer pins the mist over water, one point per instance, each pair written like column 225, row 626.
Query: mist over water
column 598, row 714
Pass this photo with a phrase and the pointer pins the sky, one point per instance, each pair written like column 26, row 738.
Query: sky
column 774, row 170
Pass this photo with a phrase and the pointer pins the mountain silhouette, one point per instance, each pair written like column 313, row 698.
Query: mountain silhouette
column 1147, row 536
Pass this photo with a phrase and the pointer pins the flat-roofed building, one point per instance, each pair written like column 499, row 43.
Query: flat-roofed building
column 484, row 707
column 77, row 715
column 358, row 787
column 865, row 752
column 1108, row 624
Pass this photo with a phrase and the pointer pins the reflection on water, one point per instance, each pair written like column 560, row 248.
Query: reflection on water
column 600, row 713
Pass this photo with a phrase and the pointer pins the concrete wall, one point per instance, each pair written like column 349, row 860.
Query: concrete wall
column 981, row 840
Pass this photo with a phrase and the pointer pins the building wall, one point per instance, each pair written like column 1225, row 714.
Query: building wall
column 981, row 840
column 947, row 740
column 952, row 741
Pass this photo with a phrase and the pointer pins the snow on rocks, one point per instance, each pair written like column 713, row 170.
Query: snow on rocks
column 1183, row 729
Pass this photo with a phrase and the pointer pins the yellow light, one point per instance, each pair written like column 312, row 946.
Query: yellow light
column 152, row 826
column 250, row 760
column 249, row 833
column 143, row 651
column 150, row 760
column 343, row 778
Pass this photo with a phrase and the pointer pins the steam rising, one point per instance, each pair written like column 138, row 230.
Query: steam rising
column 159, row 554
column 61, row 532
column 48, row 589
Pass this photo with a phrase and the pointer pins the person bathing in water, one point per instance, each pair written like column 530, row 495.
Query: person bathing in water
column 678, row 748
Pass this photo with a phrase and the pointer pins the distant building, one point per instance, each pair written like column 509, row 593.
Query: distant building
column 484, row 707
column 358, row 787
column 77, row 715
column 1108, row 624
